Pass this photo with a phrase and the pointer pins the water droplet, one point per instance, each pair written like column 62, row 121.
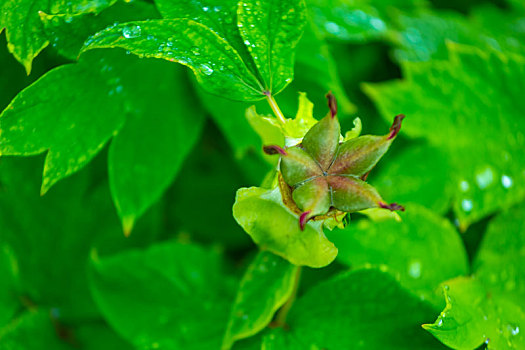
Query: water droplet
column 195, row 50
column 150, row 37
column 464, row 186
column 217, row 8
column 440, row 322
column 414, row 269
column 506, row 181
column 205, row 8
column 485, row 178
column 68, row 19
column 515, row 330
column 130, row 32
column 332, row 28
column 466, row 205
column 206, row 69
column 247, row 42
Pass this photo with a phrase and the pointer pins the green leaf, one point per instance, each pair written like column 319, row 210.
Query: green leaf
column 271, row 30
column 218, row 15
column 408, row 176
column 500, row 262
column 436, row 250
column 149, row 150
column 472, row 317
column 66, row 32
column 362, row 308
column 488, row 307
column 262, row 214
column 24, row 29
column 57, row 110
column 32, row 330
column 486, row 175
column 216, row 64
column 348, row 21
column 51, row 236
column 266, row 285
column 162, row 125
column 8, row 284
column 170, row 296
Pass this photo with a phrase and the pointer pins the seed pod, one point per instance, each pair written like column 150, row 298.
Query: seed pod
column 324, row 174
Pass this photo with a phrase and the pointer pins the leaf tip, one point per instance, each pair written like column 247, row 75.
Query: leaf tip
column 332, row 103
column 274, row 149
column 127, row 225
column 391, row 206
column 396, row 126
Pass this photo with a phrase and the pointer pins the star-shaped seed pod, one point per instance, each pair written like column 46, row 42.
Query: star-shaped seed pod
column 324, row 174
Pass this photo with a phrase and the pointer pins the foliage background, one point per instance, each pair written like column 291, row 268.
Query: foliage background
column 139, row 147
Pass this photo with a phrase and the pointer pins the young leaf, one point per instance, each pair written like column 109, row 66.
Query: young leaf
column 364, row 308
column 155, row 300
column 436, row 251
column 488, row 175
column 216, row 64
column 24, row 29
column 271, row 30
column 263, row 215
column 266, row 285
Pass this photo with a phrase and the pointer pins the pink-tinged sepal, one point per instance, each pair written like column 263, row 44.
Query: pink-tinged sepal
column 359, row 155
column 396, row 126
column 391, row 206
column 274, row 149
column 332, row 104
column 303, row 219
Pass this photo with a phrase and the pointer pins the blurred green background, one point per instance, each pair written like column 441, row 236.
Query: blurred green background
column 69, row 278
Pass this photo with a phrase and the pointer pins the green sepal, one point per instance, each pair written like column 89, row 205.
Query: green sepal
column 359, row 155
column 322, row 140
column 313, row 196
column 297, row 166
column 350, row 193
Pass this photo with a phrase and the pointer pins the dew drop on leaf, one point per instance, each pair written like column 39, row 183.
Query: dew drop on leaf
column 206, row 69
column 130, row 32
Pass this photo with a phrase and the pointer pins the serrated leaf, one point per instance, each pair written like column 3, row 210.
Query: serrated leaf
column 266, row 285
column 262, row 214
column 24, row 29
column 215, row 63
column 271, row 30
column 436, row 250
column 148, row 151
column 472, row 317
column 487, row 175
column 170, row 296
column 362, row 308
column 488, row 307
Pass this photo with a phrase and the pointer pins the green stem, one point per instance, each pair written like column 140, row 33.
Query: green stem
column 275, row 107
column 280, row 319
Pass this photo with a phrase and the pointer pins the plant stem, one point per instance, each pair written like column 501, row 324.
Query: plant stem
column 275, row 107
column 280, row 319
